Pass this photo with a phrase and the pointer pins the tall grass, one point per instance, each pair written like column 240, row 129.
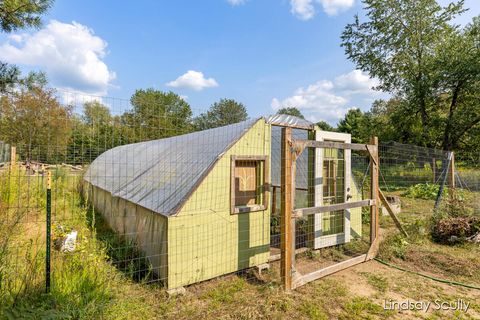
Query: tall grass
column 84, row 284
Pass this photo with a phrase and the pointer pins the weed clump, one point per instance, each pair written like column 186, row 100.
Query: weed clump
column 453, row 230
column 455, row 222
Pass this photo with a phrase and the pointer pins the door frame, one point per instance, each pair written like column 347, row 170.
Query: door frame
column 319, row 240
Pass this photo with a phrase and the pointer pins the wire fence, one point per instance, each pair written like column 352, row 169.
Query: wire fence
column 138, row 192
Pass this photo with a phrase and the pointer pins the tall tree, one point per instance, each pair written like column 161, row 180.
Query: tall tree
column 291, row 111
column 458, row 76
column 36, row 123
column 93, row 133
column 354, row 123
column 96, row 113
column 397, row 45
column 386, row 120
column 323, row 125
column 21, row 14
column 157, row 114
column 221, row 113
column 15, row 15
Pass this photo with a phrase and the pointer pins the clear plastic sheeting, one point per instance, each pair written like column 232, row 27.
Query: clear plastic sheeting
column 159, row 175
column 301, row 176
column 286, row 120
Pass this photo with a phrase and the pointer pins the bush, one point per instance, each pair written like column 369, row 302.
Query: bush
column 424, row 191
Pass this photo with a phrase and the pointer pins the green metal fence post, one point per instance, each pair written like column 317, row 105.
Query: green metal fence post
column 48, row 236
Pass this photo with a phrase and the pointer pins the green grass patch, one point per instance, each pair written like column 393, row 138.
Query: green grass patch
column 380, row 283
column 364, row 308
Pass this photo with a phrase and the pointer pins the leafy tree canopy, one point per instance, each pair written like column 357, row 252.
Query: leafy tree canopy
column 427, row 63
column 158, row 114
column 96, row 113
column 16, row 15
column 221, row 113
column 353, row 123
column 21, row 14
column 323, row 125
column 32, row 119
column 291, row 111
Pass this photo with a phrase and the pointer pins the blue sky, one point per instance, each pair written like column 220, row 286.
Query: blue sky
column 263, row 53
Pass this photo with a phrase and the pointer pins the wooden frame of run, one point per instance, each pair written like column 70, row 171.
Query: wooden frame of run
column 291, row 150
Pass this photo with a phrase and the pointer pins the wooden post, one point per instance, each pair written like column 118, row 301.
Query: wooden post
column 286, row 211
column 434, row 170
column 374, row 218
column 13, row 156
column 451, row 176
column 274, row 201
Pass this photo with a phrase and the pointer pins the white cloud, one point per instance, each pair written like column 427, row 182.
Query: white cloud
column 333, row 7
column 302, row 9
column 70, row 53
column 236, row 2
column 306, row 9
column 193, row 80
column 330, row 100
column 356, row 82
column 77, row 99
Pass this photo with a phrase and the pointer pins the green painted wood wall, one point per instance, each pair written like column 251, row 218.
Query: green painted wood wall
column 204, row 239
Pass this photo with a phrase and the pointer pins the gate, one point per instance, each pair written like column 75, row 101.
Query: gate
column 330, row 216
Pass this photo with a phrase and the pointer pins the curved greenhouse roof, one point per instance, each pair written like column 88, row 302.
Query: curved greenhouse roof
column 160, row 175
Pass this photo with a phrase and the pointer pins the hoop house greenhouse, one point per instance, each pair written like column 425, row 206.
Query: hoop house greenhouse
column 199, row 205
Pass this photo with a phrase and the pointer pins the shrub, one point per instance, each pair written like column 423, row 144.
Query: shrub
column 424, row 191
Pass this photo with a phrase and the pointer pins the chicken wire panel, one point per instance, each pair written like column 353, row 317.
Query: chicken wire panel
column 404, row 165
column 120, row 237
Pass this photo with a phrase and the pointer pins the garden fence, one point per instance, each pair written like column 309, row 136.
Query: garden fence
column 190, row 207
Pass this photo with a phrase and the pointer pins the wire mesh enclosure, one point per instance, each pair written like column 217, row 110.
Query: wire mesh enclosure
column 137, row 187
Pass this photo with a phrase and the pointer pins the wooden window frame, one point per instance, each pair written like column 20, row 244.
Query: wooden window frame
column 266, row 183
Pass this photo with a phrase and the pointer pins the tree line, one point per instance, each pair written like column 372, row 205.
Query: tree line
column 43, row 129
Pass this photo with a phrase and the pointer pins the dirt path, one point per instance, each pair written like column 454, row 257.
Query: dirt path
column 382, row 285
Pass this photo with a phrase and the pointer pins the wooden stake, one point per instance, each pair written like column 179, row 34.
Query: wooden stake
column 392, row 214
column 451, row 177
column 286, row 211
column 434, row 170
column 13, row 156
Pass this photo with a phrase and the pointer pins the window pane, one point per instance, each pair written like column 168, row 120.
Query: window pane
column 246, row 182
